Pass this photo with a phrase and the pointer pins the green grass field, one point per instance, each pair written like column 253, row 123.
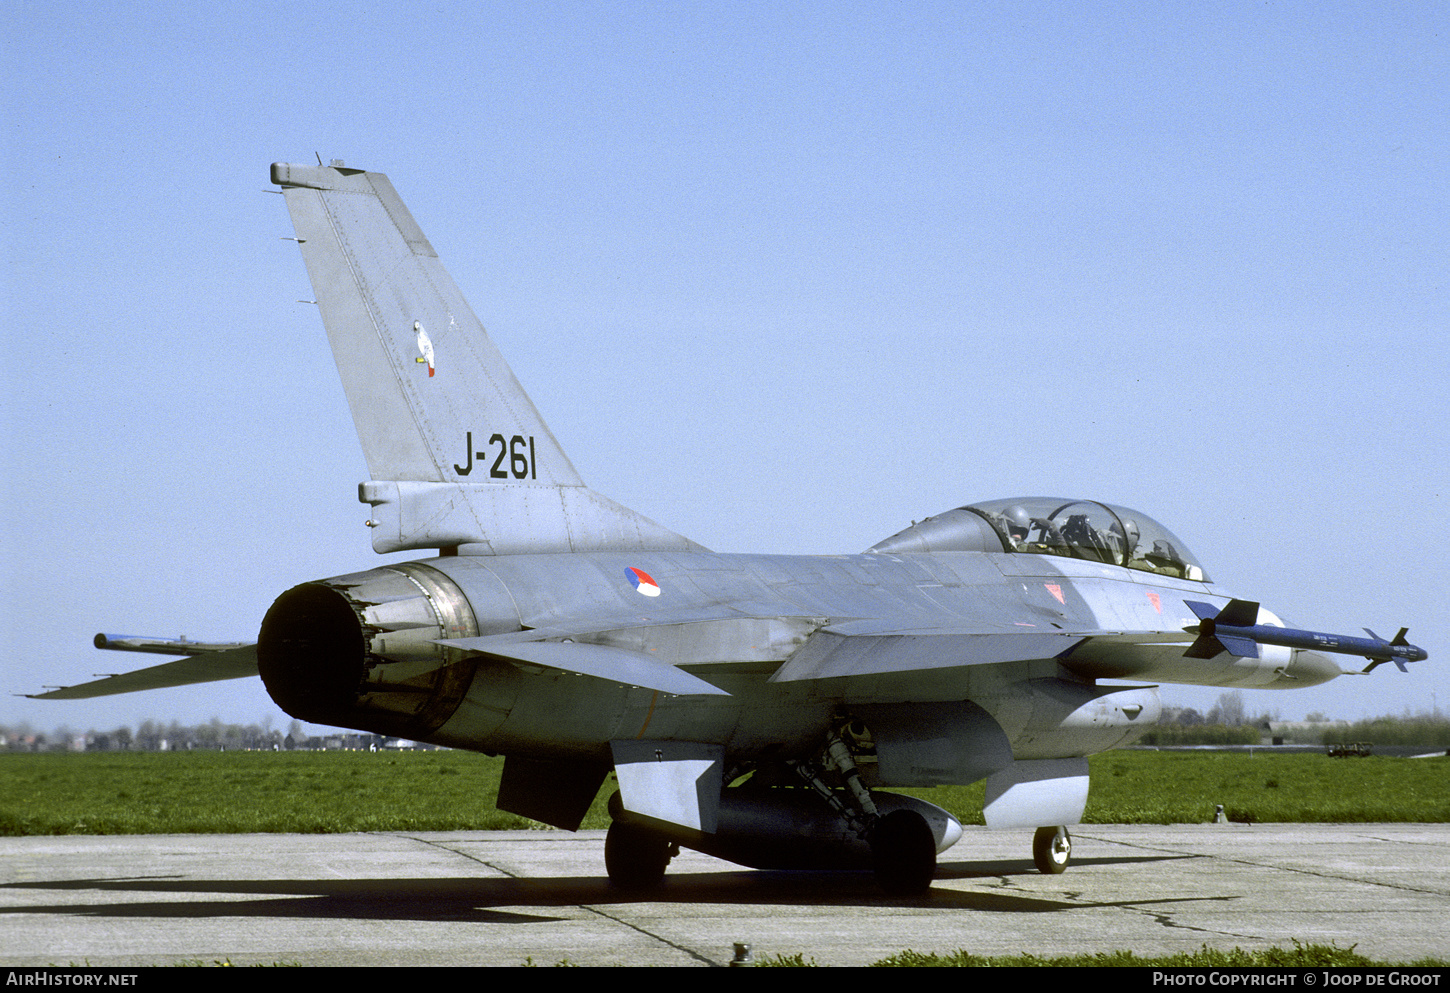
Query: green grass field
column 1301, row 956
column 322, row 792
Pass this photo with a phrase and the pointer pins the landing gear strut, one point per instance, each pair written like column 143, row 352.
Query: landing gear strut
column 1051, row 849
column 903, row 847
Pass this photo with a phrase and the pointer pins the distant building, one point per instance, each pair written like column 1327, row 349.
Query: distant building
column 1297, row 732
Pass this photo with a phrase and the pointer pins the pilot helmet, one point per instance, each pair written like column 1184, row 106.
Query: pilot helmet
column 1129, row 529
column 1019, row 522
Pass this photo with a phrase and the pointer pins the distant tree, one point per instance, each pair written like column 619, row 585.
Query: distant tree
column 235, row 736
column 1200, row 734
column 1229, row 710
column 1424, row 730
column 207, row 735
column 149, row 735
column 61, row 740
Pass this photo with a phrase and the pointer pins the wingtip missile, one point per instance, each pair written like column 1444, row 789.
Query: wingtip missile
column 162, row 646
column 1234, row 629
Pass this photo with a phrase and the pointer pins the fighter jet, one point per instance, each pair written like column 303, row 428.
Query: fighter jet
column 754, row 707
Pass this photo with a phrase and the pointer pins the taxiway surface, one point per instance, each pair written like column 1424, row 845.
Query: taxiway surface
column 509, row 898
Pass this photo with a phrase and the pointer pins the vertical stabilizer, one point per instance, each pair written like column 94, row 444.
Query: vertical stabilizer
column 458, row 454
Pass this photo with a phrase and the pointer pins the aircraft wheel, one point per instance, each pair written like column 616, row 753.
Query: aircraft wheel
column 903, row 850
column 1051, row 849
column 635, row 857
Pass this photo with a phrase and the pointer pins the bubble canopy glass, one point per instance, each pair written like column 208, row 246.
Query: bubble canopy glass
column 1086, row 529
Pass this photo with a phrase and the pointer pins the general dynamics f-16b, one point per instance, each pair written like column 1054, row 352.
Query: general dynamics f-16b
column 754, row 707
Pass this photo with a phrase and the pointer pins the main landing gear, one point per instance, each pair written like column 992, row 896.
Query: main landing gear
column 636, row 857
column 903, row 847
column 836, row 823
column 898, row 845
column 1051, row 849
column 903, row 853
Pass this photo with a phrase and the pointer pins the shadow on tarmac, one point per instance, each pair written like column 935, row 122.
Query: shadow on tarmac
column 482, row 900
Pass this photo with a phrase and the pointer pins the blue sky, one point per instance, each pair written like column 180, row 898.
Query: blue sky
column 783, row 277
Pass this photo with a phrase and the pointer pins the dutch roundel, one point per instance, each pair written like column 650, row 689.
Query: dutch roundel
column 644, row 584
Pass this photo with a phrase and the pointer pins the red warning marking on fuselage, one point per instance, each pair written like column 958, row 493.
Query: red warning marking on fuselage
column 1056, row 591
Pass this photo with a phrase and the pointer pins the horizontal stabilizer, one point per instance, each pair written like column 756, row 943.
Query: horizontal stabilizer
column 209, row 667
column 617, row 665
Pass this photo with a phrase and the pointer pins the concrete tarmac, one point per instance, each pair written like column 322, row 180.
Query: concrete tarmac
column 510, row 898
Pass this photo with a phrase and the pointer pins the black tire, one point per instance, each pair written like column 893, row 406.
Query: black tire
column 903, row 850
column 636, row 858
column 1051, row 849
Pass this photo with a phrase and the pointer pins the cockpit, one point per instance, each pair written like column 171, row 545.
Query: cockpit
column 1080, row 529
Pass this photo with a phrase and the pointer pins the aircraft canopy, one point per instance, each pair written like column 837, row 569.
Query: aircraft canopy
column 1078, row 529
column 1086, row 529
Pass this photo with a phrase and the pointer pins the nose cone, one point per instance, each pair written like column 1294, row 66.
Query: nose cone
column 1309, row 668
